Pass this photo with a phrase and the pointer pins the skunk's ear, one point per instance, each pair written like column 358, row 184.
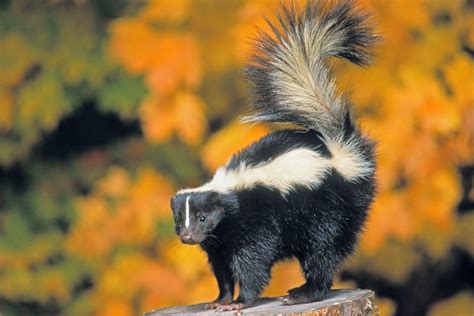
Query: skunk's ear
column 223, row 201
column 214, row 199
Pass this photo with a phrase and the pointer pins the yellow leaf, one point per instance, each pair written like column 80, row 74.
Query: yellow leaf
column 285, row 275
column 203, row 290
column 187, row 261
column 16, row 57
column 461, row 304
column 115, row 183
column 460, row 77
column 53, row 284
column 6, row 112
column 387, row 307
column 168, row 10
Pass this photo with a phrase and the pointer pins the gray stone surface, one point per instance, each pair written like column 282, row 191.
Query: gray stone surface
column 339, row 302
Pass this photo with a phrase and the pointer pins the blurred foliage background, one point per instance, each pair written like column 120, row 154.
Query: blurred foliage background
column 107, row 107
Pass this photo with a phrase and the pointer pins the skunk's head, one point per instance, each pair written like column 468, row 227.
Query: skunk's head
column 196, row 214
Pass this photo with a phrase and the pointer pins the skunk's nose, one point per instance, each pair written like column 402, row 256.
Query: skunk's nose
column 187, row 238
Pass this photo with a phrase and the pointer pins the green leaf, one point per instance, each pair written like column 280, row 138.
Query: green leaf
column 16, row 234
column 122, row 95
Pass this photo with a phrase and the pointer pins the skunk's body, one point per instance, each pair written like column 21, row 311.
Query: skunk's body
column 300, row 193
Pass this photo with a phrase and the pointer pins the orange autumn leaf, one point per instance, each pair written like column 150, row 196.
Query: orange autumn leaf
column 157, row 119
column 229, row 140
column 252, row 18
column 86, row 237
column 133, row 43
column 120, row 211
column 167, row 59
column 439, row 115
column 154, row 191
column 190, row 118
column 183, row 113
column 148, row 283
column 379, row 225
column 146, row 202
column 176, row 62
column 115, row 308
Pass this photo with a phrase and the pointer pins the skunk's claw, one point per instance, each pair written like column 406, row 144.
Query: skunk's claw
column 219, row 302
column 230, row 307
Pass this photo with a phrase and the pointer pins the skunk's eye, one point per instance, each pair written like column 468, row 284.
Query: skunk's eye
column 202, row 218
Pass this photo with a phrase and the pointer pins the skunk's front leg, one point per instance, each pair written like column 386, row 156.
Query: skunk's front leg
column 253, row 275
column 225, row 281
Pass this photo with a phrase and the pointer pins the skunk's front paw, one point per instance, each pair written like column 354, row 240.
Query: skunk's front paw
column 217, row 303
column 230, row 307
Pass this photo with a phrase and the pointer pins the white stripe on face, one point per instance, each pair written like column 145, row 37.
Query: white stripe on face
column 186, row 222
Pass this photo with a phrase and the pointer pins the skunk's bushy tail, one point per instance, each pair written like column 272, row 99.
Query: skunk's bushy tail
column 291, row 79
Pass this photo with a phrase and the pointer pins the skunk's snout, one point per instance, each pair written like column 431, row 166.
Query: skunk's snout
column 187, row 238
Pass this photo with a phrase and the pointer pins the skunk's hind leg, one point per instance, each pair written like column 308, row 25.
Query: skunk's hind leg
column 319, row 271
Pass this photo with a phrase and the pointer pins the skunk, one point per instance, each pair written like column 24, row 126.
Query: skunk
column 302, row 192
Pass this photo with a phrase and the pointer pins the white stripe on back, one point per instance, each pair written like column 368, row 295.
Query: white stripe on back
column 301, row 166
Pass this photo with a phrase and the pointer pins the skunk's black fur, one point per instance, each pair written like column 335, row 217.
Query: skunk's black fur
column 301, row 193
